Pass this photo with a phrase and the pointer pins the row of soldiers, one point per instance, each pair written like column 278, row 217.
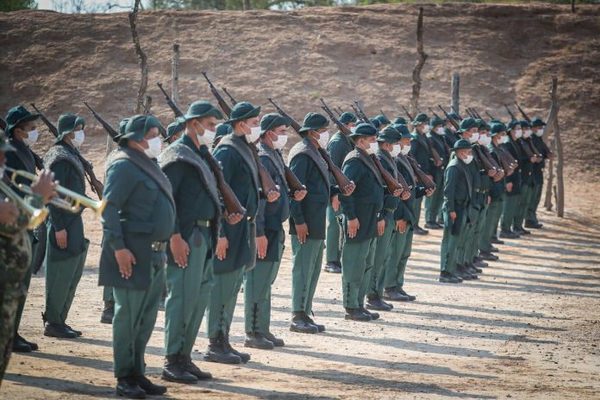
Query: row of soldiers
column 167, row 220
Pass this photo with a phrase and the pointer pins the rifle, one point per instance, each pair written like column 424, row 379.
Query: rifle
column 109, row 129
column 358, row 115
column 233, row 101
column 346, row 185
column 178, row 113
column 363, row 115
column 506, row 160
column 421, row 175
column 433, row 113
column 407, row 113
column 2, row 124
column 452, row 121
column 339, row 111
column 512, row 116
column 523, row 112
column 393, row 186
column 487, row 164
column 88, row 168
column 222, row 103
column 456, row 112
column 490, row 116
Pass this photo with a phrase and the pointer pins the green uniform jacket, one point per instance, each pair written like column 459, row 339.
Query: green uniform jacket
column 310, row 168
column 22, row 159
column 270, row 217
column 458, row 190
column 481, row 182
column 419, row 149
column 439, row 143
column 515, row 150
column 366, row 202
column 527, row 165
column 450, row 137
column 338, row 148
column 241, row 173
column 140, row 210
column 497, row 189
column 62, row 159
column 390, row 202
column 537, row 170
column 405, row 208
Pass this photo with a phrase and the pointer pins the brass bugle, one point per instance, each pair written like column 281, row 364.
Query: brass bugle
column 36, row 215
column 67, row 199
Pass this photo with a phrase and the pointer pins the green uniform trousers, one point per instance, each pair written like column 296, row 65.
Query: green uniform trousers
column 188, row 292
column 527, row 193
column 417, row 210
column 26, row 282
column 135, row 316
column 306, row 268
column 107, row 294
column 333, row 237
column 433, row 203
column 257, row 293
column 451, row 243
column 383, row 253
column 509, row 211
column 494, row 211
column 62, row 278
column 357, row 265
column 534, row 202
column 472, row 244
column 396, row 265
column 223, row 299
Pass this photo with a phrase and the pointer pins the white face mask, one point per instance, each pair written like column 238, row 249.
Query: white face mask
column 527, row 134
column 254, row 134
column 78, row 138
column 484, row 140
column 279, row 144
column 468, row 159
column 207, row 138
column 372, row 148
column 474, row 137
column 154, row 147
column 32, row 137
column 405, row 150
column 396, row 149
column 440, row 130
column 426, row 128
column 505, row 139
column 518, row 133
column 539, row 133
column 323, row 139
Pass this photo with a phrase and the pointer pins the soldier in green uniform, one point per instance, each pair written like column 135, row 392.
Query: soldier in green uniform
column 22, row 133
column 66, row 247
column 433, row 203
column 236, row 248
column 307, row 219
column 421, row 152
column 189, row 272
column 15, row 252
column 509, row 222
column 450, row 133
column 338, row 147
column 270, row 236
column 363, row 220
column 405, row 220
column 527, row 179
column 175, row 130
column 537, row 129
column 458, row 192
column 137, row 222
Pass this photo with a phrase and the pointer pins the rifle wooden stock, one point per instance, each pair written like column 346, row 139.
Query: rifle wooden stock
column 487, row 166
column 230, row 200
column 435, row 156
column 346, row 185
column 506, row 160
column 421, row 176
column 292, row 181
column 222, row 103
column 391, row 183
column 526, row 149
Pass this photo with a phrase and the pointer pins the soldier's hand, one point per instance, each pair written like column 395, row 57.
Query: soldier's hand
column 335, row 203
column 273, row 195
column 429, row 192
column 492, row 172
column 222, row 246
column 380, row 227
column 61, row 238
column 125, row 259
column 233, row 219
column 353, row 227
column 509, row 187
column 261, row 246
column 302, row 232
column 180, row 250
column 453, row 215
column 398, row 192
column 348, row 189
column 45, row 186
column 405, row 195
column 8, row 213
column 401, row 225
column 299, row 195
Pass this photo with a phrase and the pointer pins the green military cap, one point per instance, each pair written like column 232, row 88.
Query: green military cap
column 525, row 124
column 4, row 144
column 223, row 129
column 242, row 111
column 138, row 126
column 348, row 118
column 399, row 121
column 484, row 126
column 436, row 121
column 375, row 122
column 313, row 121
column 364, row 129
column 271, row 121
column 467, row 123
column 201, row 109
column 512, row 124
column 175, row 127
column 389, row 135
column 495, row 121
column 537, row 122
column 461, row 144
column 497, row 129
column 383, row 120
column 67, row 123
column 16, row 116
column 421, row 118
column 403, row 129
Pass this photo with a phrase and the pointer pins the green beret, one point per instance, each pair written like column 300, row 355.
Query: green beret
column 271, row 121
column 364, row 129
column 4, row 144
column 16, row 116
column 389, row 135
column 467, row 123
column 497, row 128
column 313, row 121
column 512, row 124
column 67, row 123
column 138, row 126
column 403, row 129
column 242, row 111
column 421, row 118
column 400, row 120
column 537, row 122
column 201, row 109
column 223, row 130
column 375, row 122
column 461, row 144
column 348, row 118
column 436, row 121
column 175, row 127
column 383, row 120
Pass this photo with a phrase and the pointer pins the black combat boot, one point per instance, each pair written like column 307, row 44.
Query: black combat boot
column 356, row 314
column 129, row 388
column 245, row 357
column 150, row 388
column 275, row 340
column 258, row 341
column 175, row 371
column 108, row 313
column 301, row 325
column 217, row 352
column 193, row 369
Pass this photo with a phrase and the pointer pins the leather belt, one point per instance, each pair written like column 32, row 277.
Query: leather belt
column 202, row 223
column 159, row 247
